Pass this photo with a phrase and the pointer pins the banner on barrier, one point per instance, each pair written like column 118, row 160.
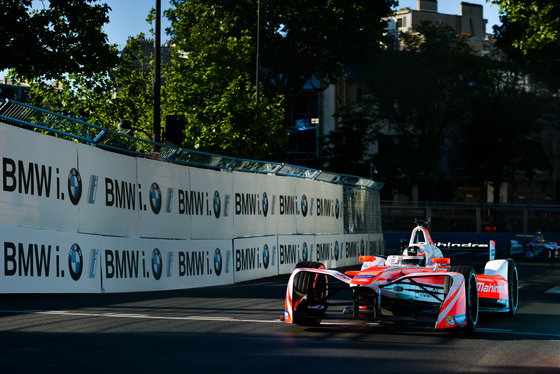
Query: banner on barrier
column 80, row 188
column 355, row 245
column 38, row 191
column 133, row 265
column 208, row 203
column 328, row 251
column 255, row 258
column 293, row 249
column 44, row 261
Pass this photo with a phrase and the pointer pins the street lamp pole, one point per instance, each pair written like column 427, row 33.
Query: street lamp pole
column 157, row 75
column 257, row 79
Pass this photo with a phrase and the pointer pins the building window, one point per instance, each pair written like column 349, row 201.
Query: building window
column 400, row 22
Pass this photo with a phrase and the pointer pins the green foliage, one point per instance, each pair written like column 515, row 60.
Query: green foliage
column 305, row 39
column 299, row 40
column 500, row 134
column 530, row 33
column 211, row 80
column 416, row 94
column 210, row 86
column 106, row 98
column 66, row 37
column 435, row 110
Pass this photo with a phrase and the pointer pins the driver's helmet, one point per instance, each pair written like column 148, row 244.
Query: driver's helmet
column 414, row 255
column 539, row 237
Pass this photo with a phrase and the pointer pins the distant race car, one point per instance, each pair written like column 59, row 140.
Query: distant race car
column 419, row 286
column 537, row 247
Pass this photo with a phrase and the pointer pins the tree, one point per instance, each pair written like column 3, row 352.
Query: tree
column 208, row 83
column 439, row 112
column 413, row 98
column 299, row 40
column 500, row 135
column 305, row 39
column 530, row 32
column 66, row 37
column 124, row 92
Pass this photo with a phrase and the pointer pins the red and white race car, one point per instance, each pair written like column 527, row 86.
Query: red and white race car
column 418, row 286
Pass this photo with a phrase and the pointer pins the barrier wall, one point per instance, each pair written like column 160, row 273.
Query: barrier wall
column 75, row 218
column 60, row 185
column 46, row 261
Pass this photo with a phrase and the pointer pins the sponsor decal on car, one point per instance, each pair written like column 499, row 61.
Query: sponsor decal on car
column 460, row 319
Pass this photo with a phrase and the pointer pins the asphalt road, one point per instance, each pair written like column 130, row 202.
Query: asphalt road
column 236, row 329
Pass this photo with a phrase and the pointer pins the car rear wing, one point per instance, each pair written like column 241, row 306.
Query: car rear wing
column 489, row 247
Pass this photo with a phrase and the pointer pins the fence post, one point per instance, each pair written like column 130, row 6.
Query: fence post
column 478, row 221
column 525, row 219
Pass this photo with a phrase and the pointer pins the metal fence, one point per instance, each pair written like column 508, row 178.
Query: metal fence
column 360, row 208
column 471, row 218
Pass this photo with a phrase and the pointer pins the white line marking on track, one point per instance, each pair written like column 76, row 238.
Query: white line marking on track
column 138, row 316
column 504, row 331
column 228, row 319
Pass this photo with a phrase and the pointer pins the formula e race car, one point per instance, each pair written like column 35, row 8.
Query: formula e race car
column 539, row 247
column 418, row 286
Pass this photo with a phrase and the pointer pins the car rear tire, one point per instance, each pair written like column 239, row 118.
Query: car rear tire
column 471, row 294
column 313, row 287
column 513, row 287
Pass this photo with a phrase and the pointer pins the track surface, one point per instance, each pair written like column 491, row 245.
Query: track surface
column 236, row 329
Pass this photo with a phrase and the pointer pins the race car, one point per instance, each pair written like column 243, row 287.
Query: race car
column 539, row 247
column 418, row 286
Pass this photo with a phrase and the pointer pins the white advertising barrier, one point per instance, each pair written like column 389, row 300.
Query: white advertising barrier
column 271, row 205
column 159, row 213
column 255, row 258
column 38, row 191
column 135, row 265
column 328, row 251
column 254, row 205
column 208, row 203
column 44, row 261
column 355, row 245
column 56, row 184
column 112, row 198
column 319, row 210
column 293, row 249
column 376, row 245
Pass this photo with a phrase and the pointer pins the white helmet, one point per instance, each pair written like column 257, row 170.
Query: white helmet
column 414, row 255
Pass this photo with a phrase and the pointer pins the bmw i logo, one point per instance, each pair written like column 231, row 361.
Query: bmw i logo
column 157, row 264
column 304, row 251
column 266, row 256
column 75, row 262
column 304, row 205
column 265, row 204
column 337, row 209
column 217, row 204
column 155, row 198
column 74, row 186
column 336, row 250
column 218, row 262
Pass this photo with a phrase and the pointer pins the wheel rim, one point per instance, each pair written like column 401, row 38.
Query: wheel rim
column 514, row 291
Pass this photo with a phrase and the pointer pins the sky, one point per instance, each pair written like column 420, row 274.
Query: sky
column 490, row 12
column 128, row 17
